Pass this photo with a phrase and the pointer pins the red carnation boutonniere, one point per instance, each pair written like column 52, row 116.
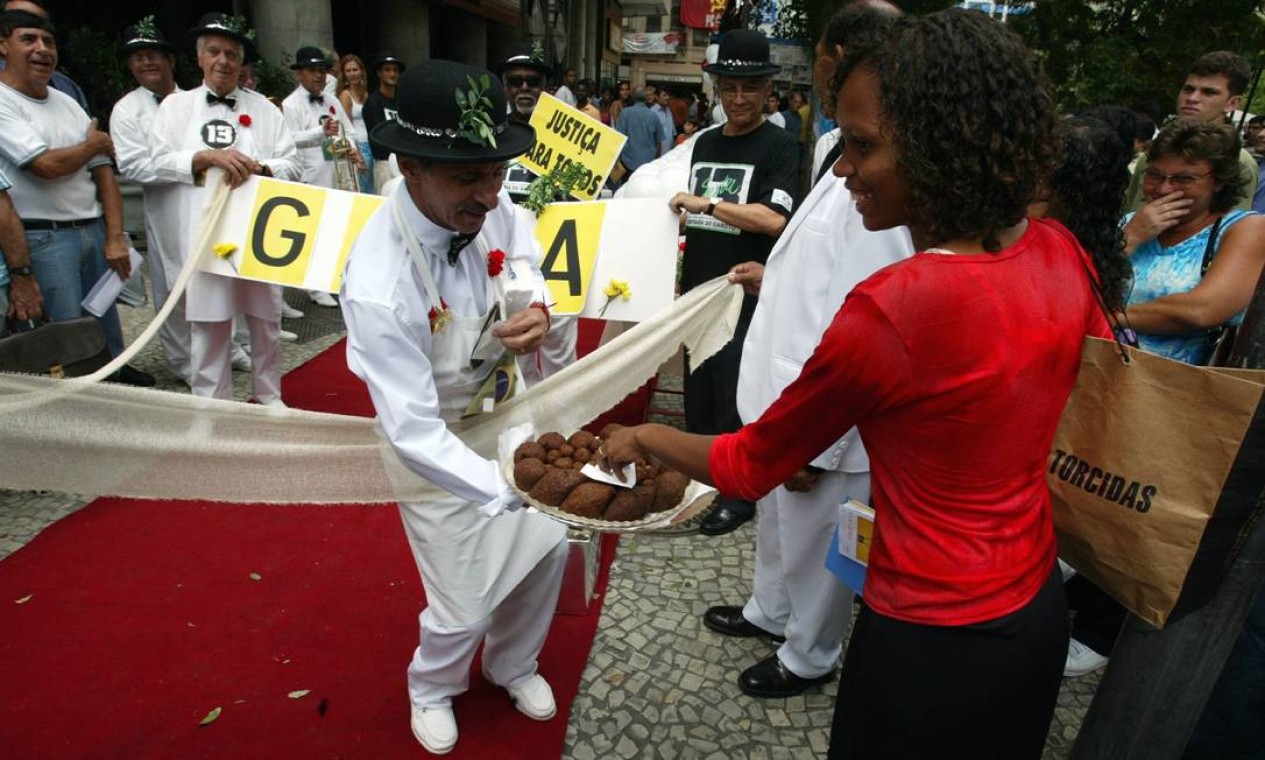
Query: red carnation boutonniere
column 438, row 317
column 496, row 262
column 331, row 111
column 244, row 120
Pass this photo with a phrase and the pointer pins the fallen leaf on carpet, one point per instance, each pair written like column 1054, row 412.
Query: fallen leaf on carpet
column 256, row 577
column 24, row 599
column 300, row 694
column 210, row 717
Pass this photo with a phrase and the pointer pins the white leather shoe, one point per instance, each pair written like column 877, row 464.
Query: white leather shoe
column 534, row 698
column 241, row 362
column 321, row 298
column 435, row 728
column 289, row 312
column 285, row 336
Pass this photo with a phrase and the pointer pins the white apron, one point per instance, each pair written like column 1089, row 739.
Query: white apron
column 468, row 562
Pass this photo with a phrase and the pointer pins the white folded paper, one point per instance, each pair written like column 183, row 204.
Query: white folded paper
column 104, row 293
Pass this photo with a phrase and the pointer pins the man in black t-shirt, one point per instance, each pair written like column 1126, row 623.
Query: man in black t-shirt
column 742, row 187
column 379, row 108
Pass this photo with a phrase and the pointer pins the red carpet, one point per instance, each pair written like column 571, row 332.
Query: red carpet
column 142, row 617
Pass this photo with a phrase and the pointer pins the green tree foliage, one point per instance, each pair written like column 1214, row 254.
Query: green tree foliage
column 1135, row 52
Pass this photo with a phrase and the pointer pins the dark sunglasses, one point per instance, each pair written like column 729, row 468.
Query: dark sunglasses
column 520, row 80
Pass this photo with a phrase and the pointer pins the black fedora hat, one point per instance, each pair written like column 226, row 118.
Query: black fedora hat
column 527, row 57
column 145, row 35
column 449, row 112
column 224, row 25
column 385, row 58
column 310, row 57
column 743, row 53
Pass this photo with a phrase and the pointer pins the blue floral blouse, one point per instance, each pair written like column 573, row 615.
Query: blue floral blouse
column 1160, row 271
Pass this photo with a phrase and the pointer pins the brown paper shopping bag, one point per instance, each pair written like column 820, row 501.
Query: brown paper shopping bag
column 1156, row 475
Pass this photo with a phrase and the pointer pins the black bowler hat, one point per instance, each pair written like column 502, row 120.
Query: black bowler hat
column 224, row 25
column 310, row 57
column 385, row 58
column 144, row 35
column 743, row 53
column 528, row 58
column 439, row 103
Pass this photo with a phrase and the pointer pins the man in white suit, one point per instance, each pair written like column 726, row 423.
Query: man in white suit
column 822, row 254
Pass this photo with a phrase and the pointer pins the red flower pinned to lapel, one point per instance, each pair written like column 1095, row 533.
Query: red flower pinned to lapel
column 331, row 111
column 438, row 317
column 496, row 262
column 244, row 120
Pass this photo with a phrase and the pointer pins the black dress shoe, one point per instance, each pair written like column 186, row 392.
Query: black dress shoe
column 729, row 621
column 770, row 678
column 726, row 517
column 129, row 375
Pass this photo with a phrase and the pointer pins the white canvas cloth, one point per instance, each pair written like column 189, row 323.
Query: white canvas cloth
column 78, row 436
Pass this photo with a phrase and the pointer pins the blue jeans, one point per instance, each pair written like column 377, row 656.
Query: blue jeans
column 366, row 174
column 67, row 263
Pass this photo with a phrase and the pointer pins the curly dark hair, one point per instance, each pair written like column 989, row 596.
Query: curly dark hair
column 971, row 117
column 1217, row 143
column 1087, row 195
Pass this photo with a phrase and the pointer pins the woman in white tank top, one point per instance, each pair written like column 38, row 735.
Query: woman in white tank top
column 352, row 91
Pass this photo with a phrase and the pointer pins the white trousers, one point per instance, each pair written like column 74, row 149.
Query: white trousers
column 211, row 356
column 794, row 595
column 512, row 637
column 174, row 336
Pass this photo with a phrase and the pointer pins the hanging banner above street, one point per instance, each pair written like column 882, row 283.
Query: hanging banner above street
column 652, row 43
column 703, row 14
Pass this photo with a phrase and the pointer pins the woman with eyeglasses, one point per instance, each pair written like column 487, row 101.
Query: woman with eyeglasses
column 1196, row 259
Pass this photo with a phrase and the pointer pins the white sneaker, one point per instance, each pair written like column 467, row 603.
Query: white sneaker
column 285, row 336
column 435, row 728
column 289, row 312
column 276, row 403
column 534, row 698
column 1081, row 660
column 241, row 362
column 321, row 298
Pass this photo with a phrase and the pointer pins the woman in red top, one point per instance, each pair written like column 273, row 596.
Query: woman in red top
column 955, row 364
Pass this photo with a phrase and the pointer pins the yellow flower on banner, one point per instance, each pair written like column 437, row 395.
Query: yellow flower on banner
column 225, row 251
column 615, row 289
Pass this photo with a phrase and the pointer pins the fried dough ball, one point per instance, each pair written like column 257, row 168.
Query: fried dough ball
column 527, row 472
column 582, row 455
column 552, row 455
column 631, row 503
column 529, row 450
column 554, row 487
column 646, row 472
column 588, row 499
column 566, row 450
column 583, row 440
column 669, row 490
column 563, row 462
column 551, row 441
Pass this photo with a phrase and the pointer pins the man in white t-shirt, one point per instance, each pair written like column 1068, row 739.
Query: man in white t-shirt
column 566, row 90
column 63, row 185
column 317, row 120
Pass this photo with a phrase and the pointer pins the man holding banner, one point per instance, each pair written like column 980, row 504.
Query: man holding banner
column 242, row 133
column 743, row 180
column 427, row 284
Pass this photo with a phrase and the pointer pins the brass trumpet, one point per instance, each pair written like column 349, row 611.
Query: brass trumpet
column 346, row 175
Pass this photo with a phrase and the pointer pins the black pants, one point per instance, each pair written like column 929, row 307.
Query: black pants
column 711, row 388
column 985, row 691
column 1098, row 617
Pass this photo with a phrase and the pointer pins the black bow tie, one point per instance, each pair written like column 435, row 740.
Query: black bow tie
column 158, row 98
column 317, row 98
column 455, row 245
column 212, row 99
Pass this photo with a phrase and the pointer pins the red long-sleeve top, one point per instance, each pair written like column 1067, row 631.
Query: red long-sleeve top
column 956, row 369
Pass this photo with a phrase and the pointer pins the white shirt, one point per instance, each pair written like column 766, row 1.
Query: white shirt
column 29, row 128
column 823, row 253
column 389, row 339
column 131, row 123
column 824, row 145
column 306, row 118
column 565, row 95
column 185, row 124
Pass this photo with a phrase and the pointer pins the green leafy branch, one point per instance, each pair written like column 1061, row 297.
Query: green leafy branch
column 476, row 123
column 146, row 28
column 554, row 185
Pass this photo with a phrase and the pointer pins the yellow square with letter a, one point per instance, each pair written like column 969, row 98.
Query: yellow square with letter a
column 282, row 232
column 568, row 234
